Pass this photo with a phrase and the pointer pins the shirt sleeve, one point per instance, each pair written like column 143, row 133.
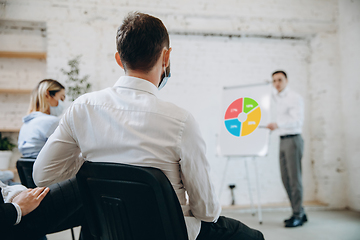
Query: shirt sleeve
column 294, row 116
column 8, row 213
column 60, row 158
column 195, row 174
column 8, row 217
column 10, row 192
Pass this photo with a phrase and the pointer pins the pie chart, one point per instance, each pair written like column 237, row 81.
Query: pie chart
column 242, row 117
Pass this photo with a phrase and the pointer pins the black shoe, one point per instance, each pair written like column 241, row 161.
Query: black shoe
column 289, row 219
column 304, row 218
column 296, row 222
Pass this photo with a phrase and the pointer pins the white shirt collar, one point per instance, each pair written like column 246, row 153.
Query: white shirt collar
column 137, row 84
column 283, row 92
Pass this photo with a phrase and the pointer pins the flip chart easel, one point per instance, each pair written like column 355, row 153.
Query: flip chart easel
column 238, row 138
column 246, row 159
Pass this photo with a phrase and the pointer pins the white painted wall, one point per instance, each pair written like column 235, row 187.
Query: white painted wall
column 19, row 73
column 326, row 122
column 302, row 38
column 349, row 33
column 202, row 66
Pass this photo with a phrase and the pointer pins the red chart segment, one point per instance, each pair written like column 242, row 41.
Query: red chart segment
column 234, row 109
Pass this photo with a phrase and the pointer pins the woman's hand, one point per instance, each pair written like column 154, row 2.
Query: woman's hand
column 30, row 199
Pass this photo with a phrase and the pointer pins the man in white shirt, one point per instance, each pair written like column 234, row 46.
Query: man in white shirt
column 129, row 124
column 290, row 118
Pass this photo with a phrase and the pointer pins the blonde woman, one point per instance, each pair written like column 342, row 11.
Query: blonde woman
column 61, row 208
column 46, row 104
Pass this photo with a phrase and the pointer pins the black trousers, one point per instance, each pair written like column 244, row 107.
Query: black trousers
column 60, row 209
column 227, row 229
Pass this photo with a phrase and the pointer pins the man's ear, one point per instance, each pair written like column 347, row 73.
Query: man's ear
column 167, row 57
column 118, row 60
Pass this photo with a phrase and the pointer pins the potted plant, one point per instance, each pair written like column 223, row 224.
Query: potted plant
column 6, row 148
column 77, row 85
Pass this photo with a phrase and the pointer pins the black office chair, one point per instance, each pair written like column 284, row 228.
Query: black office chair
column 25, row 168
column 124, row 202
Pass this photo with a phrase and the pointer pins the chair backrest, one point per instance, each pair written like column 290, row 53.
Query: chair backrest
column 25, row 169
column 124, row 202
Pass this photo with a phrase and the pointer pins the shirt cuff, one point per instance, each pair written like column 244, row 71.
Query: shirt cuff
column 19, row 213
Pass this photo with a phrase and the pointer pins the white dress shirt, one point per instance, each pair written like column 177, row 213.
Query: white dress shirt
column 129, row 124
column 290, row 112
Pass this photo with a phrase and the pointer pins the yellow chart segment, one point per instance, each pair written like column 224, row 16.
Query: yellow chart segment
column 251, row 123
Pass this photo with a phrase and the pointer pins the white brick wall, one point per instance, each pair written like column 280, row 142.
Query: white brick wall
column 13, row 108
column 349, row 32
column 19, row 73
column 202, row 65
column 326, row 127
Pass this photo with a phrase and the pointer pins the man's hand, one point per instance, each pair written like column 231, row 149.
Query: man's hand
column 272, row 126
column 30, row 199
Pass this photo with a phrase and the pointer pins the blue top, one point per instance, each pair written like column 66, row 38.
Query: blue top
column 35, row 131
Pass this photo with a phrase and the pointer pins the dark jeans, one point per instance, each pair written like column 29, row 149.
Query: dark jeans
column 60, row 209
column 227, row 229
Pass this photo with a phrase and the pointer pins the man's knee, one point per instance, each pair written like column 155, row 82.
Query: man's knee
column 238, row 230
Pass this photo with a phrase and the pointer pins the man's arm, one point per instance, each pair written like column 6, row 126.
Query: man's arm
column 59, row 159
column 8, row 216
column 195, row 174
column 293, row 119
column 27, row 201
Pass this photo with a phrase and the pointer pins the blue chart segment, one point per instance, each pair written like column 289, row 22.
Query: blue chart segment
column 233, row 126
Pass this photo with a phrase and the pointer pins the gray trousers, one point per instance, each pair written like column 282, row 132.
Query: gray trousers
column 291, row 151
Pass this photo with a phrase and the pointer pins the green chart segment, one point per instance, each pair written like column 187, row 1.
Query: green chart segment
column 242, row 117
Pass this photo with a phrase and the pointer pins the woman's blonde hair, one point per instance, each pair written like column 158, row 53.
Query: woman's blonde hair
column 38, row 95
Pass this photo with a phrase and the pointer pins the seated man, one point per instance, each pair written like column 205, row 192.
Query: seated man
column 31, row 213
column 129, row 124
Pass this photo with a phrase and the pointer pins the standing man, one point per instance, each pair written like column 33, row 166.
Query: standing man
column 290, row 118
column 129, row 124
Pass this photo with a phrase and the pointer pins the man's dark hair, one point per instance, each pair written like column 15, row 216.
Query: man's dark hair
column 140, row 40
column 279, row 72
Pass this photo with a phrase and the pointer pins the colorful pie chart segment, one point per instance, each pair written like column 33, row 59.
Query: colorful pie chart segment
column 252, row 122
column 242, row 117
column 234, row 109
column 233, row 126
column 249, row 104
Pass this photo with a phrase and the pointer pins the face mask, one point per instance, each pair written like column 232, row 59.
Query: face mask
column 57, row 111
column 164, row 78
